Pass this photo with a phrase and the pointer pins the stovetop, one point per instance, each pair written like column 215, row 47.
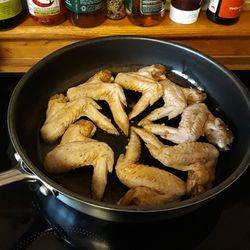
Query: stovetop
column 29, row 220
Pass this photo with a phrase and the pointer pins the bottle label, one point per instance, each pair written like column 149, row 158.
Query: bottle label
column 230, row 8
column 44, row 7
column 183, row 16
column 149, row 7
column 9, row 8
column 213, row 5
column 84, row 6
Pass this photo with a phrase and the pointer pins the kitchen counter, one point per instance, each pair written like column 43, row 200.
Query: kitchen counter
column 26, row 44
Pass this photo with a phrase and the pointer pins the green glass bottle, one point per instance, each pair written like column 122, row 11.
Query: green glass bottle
column 11, row 13
column 85, row 13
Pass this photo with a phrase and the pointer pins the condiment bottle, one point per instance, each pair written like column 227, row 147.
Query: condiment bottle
column 184, row 11
column 86, row 13
column 11, row 13
column 47, row 12
column 224, row 11
column 145, row 12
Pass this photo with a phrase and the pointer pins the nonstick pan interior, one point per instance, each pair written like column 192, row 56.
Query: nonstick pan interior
column 76, row 63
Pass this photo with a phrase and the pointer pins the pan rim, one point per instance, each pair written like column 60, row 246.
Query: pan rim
column 99, row 204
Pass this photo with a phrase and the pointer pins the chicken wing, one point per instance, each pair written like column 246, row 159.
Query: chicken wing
column 218, row 133
column 61, row 113
column 82, row 130
column 148, row 185
column 176, row 98
column 77, row 150
column 196, row 121
column 198, row 158
column 145, row 81
column 99, row 87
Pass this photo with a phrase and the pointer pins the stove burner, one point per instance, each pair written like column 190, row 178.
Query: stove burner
column 80, row 230
column 67, row 238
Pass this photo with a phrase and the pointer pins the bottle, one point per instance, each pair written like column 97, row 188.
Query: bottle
column 11, row 13
column 224, row 11
column 145, row 12
column 86, row 13
column 184, row 11
column 47, row 12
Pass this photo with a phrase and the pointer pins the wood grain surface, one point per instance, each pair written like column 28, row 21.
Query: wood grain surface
column 26, row 44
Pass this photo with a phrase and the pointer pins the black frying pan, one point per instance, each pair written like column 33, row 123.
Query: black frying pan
column 71, row 65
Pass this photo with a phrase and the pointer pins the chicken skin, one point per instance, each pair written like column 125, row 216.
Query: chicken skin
column 82, row 130
column 148, row 185
column 145, row 80
column 176, row 99
column 196, row 121
column 61, row 113
column 76, row 150
column 189, row 164
column 100, row 87
column 198, row 158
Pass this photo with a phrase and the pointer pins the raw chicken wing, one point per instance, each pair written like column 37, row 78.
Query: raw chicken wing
column 148, row 185
column 176, row 98
column 145, row 81
column 77, row 150
column 99, row 87
column 196, row 121
column 198, row 158
column 61, row 113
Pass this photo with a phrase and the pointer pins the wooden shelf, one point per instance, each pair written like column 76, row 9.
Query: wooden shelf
column 26, row 44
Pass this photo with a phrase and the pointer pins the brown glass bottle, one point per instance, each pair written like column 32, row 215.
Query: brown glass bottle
column 11, row 14
column 144, row 12
column 86, row 13
column 184, row 11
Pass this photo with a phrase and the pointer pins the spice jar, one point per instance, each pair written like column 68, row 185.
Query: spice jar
column 47, row 12
column 115, row 9
column 185, row 11
column 145, row 12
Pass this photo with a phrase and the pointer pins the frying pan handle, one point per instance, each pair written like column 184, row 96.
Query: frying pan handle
column 15, row 174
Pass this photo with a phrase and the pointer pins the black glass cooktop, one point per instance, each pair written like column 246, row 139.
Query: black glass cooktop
column 30, row 220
